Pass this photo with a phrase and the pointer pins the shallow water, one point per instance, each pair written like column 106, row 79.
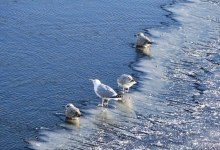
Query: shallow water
column 50, row 49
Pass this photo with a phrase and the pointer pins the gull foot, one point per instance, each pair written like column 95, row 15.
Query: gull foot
column 122, row 92
column 100, row 105
column 105, row 104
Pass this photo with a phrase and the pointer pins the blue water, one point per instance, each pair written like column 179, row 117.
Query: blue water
column 50, row 49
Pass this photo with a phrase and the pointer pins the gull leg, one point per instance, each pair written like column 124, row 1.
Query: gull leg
column 123, row 91
column 106, row 104
column 101, row 105
column 127, row 90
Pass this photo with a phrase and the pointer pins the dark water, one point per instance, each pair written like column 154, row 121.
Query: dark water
column 49, row 50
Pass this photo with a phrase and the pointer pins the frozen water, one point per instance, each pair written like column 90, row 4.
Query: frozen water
column 50, row 49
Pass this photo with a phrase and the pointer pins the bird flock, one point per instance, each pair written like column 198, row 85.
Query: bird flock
column 105, row 92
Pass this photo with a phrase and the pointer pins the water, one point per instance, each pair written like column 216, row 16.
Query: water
column 49, row 50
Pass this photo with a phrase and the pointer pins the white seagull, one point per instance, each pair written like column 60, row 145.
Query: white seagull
column 71, row 111
column 125, row 81
column 142, row 40
column 105, row 92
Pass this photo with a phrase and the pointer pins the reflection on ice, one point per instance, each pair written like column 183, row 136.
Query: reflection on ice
column 125, row 109
column 145, row 50
column 74, row 121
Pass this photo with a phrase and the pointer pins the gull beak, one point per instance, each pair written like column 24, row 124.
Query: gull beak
column 135, row 35
column 90, row 80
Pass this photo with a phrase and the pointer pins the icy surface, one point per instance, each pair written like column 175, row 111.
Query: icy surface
column 50, row 50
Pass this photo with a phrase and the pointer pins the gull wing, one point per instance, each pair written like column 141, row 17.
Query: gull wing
column 105, row 91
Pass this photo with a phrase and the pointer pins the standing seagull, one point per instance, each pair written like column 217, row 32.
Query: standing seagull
column 105, row 92
column 142, row 40
column 71, row 111
column 125, row 81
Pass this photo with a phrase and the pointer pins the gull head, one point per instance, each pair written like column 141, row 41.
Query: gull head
column 95, row 81
column 139, row 34
column 69, row 105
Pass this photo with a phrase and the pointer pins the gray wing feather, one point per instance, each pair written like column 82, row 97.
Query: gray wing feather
column 124, row 79
column 105, row 91
column 142, row 40
column 146, row 38
column 72, row 112
column 77, row 111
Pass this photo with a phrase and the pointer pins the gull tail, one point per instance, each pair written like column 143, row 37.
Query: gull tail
column 147, row 42
column 79, row 115
column 117, row 97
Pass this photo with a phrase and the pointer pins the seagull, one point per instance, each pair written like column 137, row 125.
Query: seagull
column 142, row 40
column 105, row 92
column 72, row 112
column 125, row 81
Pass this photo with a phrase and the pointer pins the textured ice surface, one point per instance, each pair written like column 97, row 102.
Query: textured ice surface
column 50, row 49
